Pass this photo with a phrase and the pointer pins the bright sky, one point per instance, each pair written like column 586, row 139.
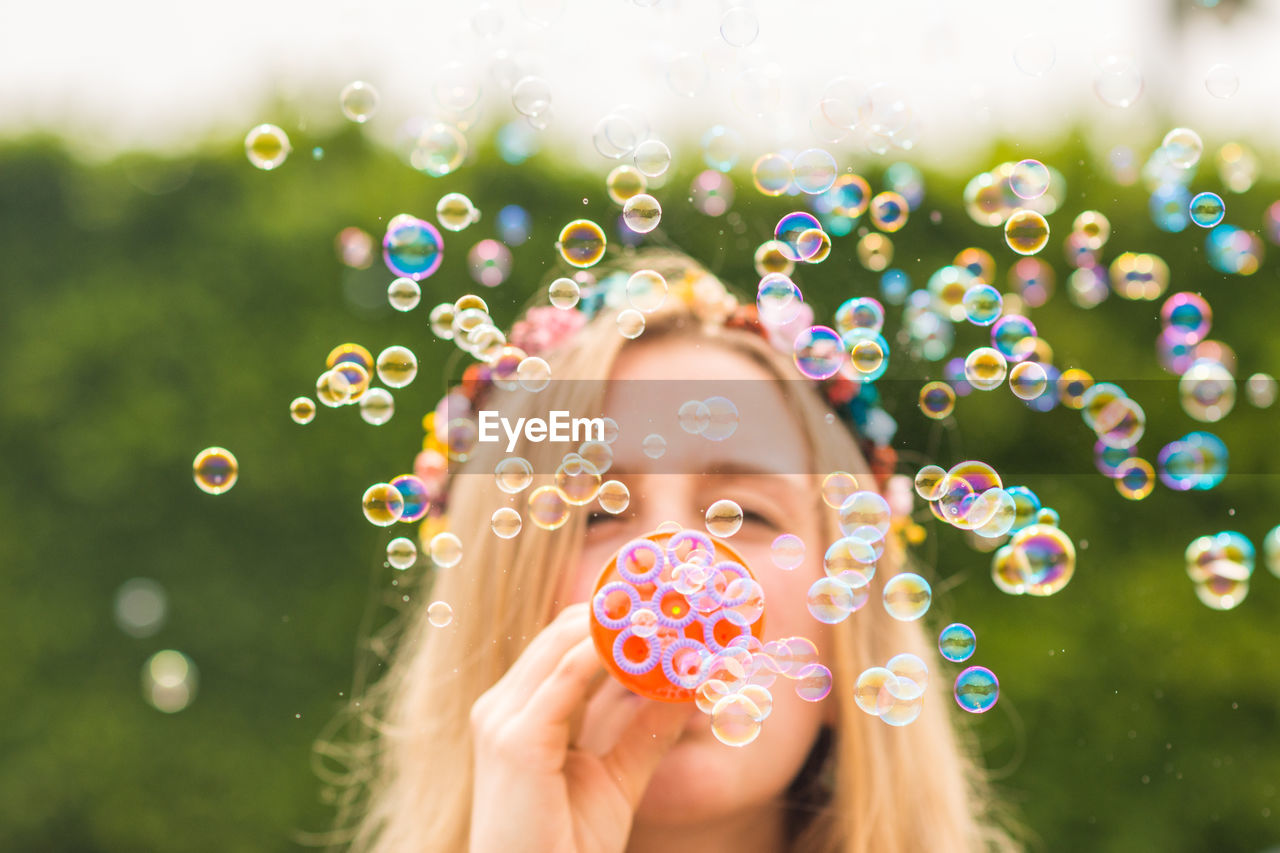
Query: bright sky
column 163, row 75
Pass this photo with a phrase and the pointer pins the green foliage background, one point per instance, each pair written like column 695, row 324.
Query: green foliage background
column 150, row 308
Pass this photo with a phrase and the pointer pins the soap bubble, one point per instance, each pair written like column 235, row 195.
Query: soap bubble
column 642, row 213
column 401, row 553
column 215, row 470
column 652, row 158
column 266, row 146
column 439, row 614
column 787, row 551
column 505, row 522
column 977, row 689
column 359, row 101
column 1222, row 81
column 957, row 642
column 724, row 518
column 738, row 26
column 907, row 596
column 382, row 504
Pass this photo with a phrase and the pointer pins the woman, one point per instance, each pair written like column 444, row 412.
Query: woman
column 498, row 732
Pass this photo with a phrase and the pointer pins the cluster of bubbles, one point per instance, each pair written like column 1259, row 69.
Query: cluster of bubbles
column 850, row 562
column 1038, row 558
column 1220, row 566
column 351, row 368
column 976, row 688
column 677, row 615
column 894, row 692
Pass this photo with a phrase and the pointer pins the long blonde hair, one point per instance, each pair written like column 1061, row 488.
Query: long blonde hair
column 406, row 776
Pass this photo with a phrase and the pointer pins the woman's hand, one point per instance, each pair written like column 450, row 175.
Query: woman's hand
column 535, row 789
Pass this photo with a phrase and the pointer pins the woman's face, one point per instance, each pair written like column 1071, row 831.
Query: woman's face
column 764, row 468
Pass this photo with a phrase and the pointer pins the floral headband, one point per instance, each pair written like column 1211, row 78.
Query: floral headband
column 545, row 328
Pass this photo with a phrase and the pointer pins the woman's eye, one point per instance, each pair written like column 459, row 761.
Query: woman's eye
column 752, row 517
column 596, row 517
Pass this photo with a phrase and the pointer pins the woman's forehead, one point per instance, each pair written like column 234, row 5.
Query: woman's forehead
column 686, row 406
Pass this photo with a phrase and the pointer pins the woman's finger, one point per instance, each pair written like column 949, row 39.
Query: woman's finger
column 640, row 749
column 510, row 693
column 562, row 694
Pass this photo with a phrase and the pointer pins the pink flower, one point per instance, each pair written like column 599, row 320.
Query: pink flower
column 544, row 328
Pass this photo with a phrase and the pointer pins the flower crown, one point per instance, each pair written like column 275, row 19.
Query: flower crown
column 545, row 328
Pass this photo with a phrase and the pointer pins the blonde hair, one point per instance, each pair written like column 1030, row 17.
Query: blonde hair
column 406, row 782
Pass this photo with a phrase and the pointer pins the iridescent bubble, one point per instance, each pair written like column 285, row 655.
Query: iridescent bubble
column 771, row 174
column 1030, row 179
column 397, row 366
column 865, row 509
column 866, row 690
column 581, row 243
column 983, row 304
column 577, row 480
column 850, row 196
column 382, row 504
column 723, row 420
column 838, row 488
column 215, row 470
column 738, row 26
column 1026, row 232
column 1028, row 380
column 1207, row 390
column 907, row 596
column 957, row 642
column 403, row 294
column 711, row 193
column 900, row 701
column 1189, row 314
column 614, row 496
column 984, row 368
column 513, row 474
column 652, row 158
column 401, row 553
column 1041, row 558
column 438, row 150
column 563, row 293
column 1271, row 550
column 333, row 389
column 359, row 101
column 624, row 182
column 735, row 719
column 505, row 522
column 928, row 482
column 814, row 171
column 1221, row 81
column 724, row 518
column 937, row 400
column 630, row 323
column 813, row 682
column 441, row 321
column 787, row 551
column 789, row 230
column 773, row 256
column 1182, row 147
column 266, row 146
column 1135, row 478
column 1009, row 336
column 439, row 614
column 531, row 96
column 1207, row 209
column 646, row 290
column 412, row 247
column 302, row 410
column 455, row 211
column 977, row 689
column 1119, row 82
column 693, row 416
column 654, row 446
column 818, row 352
column 831, row 601
column 377, row 406
column 642, row 213
column 888, row 211
column 778, row 300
